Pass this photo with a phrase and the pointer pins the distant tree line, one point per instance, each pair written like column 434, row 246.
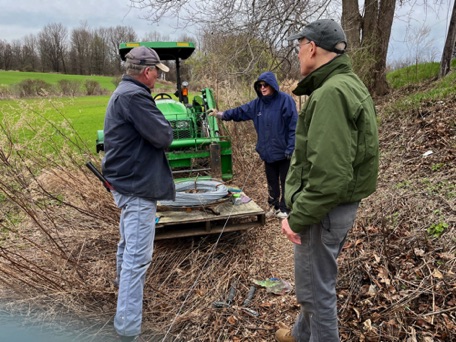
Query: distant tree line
column 81, row 51
column 84, row 51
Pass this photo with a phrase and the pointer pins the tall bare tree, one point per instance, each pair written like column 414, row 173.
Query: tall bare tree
column 6, row 55
column 52, row 46
column 267, row 21
column 449, row 47
column 16, row 53
column 99, row 52
column 238, row 61
column 29, row 53
column 368, row 34
column 420, row 45
column 154, row 36
column 81, row 38
column 115, row 36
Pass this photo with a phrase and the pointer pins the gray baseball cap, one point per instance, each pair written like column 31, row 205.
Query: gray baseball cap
column 326, row 33
column 143, row 55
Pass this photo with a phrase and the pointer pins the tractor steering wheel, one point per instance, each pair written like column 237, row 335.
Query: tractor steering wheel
column 162, row 96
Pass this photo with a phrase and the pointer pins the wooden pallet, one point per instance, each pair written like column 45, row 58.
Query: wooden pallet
column 214, row 219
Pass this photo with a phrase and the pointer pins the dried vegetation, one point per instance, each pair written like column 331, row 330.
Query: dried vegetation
column 397, row 272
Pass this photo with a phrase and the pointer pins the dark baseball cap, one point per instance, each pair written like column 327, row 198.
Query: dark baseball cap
column 146, row 56
column 326, row 33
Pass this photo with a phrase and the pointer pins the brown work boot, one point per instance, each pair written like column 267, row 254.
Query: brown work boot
column 284, row 335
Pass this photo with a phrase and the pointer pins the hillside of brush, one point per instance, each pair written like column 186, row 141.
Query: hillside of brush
column 397, row 279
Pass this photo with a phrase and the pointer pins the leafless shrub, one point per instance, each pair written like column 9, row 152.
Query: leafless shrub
column 5, row 91
column 92, row 88
column 69, row 87
column 33, row 88
column 37, row 180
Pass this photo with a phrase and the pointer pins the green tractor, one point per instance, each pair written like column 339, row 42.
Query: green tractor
column 197, row 148
column 197, row 152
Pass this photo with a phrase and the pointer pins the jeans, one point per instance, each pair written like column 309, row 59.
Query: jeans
column 276, row 174
column 134, row 255
column 316, row 275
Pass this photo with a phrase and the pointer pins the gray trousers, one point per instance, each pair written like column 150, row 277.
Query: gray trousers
column 316, row 274
column 134, row 255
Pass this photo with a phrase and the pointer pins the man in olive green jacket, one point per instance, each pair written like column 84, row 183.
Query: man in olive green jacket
column 334, row 166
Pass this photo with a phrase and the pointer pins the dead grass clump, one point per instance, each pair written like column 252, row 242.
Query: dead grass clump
column 397, row 276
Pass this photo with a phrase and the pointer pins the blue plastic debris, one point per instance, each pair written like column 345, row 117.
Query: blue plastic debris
column 274, row 285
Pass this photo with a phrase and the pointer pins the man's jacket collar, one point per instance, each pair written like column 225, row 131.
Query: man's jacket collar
column 316, row 78
column 128, row 78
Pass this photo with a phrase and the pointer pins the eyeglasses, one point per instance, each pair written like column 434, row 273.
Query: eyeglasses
column 152, row 67
column 262, row 84
column 299, row 45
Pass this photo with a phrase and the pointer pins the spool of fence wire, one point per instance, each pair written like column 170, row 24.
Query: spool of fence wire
column 197, row 193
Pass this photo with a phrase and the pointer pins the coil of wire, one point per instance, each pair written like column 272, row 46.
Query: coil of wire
column 206, row 192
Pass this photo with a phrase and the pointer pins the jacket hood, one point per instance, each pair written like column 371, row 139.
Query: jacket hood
column 270, row 79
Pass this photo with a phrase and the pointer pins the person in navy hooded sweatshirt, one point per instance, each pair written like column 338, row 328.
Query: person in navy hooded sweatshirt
column 274, row 116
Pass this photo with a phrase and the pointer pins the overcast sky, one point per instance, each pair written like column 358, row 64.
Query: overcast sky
column 19, row 18
column 405, row 41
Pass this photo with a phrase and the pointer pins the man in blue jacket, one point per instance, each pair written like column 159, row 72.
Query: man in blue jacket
column 136, row 136
column 274, row 116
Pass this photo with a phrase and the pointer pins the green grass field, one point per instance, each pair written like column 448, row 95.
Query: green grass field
column 85, row 114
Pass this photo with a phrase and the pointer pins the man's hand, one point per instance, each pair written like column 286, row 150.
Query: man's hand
column 214, row 112
column 291, row 235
